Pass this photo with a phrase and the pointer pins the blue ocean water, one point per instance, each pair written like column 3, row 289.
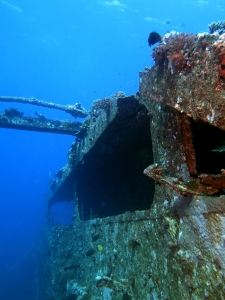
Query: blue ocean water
column 66, row 52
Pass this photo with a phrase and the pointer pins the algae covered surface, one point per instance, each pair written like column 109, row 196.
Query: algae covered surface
column 148, row 186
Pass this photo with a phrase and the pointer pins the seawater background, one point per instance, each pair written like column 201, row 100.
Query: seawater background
column 66, row 52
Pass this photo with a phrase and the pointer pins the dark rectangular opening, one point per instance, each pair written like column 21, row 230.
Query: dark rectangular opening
column 209, row 143
column 110, row 180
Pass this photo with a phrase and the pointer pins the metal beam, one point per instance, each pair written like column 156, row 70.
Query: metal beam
column 14, row 119
column 76, row 110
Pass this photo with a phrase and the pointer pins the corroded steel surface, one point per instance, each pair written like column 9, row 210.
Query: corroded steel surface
column 174, row 249
column 14, row 119
column 189, row 75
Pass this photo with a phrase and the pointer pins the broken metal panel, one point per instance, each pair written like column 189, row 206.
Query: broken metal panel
column 203, row 185
column 14, row 119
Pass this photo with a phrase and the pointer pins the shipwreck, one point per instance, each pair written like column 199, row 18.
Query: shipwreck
column 146, row 174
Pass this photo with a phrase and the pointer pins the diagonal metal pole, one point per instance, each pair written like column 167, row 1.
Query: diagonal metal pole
column 76, row 110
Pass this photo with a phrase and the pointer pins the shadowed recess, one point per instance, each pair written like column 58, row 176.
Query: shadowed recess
column 110, row 180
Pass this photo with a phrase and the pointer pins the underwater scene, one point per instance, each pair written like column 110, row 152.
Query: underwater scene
column 112, row 167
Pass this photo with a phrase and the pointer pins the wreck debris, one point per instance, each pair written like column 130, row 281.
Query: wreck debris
column 203, row 185
column 13, row 118
column 76, row 110
column 216, row 181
